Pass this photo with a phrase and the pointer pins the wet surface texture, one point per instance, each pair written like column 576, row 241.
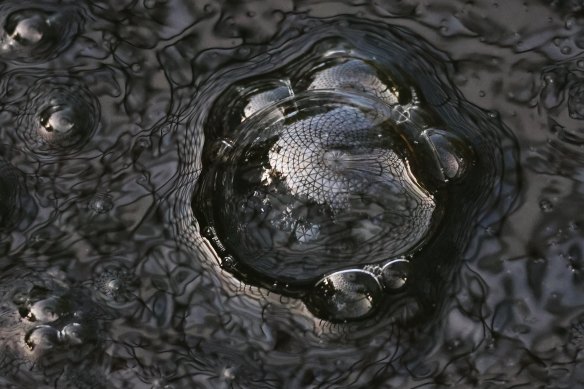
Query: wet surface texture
column 280, row 194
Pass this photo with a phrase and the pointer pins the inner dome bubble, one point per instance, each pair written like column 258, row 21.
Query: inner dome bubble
column 317, row 183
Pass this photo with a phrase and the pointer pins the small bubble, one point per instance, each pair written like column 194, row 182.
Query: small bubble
column 278, row 16
column 570, row 22
column 101, row 203
column 451, row 153
column 208, row 232
column 46, row 310
column 566, row 50
column 116, row 283
column 244, row 51
column 345, row 295
column 26, row 29
column 228, row 262
column 42, row 338
column 482, row 93
column 71, row 334
column 35, row 34
column 546, row 205
column 136, row 67
column 58, row 119
column 395, row 274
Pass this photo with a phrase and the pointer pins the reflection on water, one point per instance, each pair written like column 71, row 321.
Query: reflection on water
column 161, row 225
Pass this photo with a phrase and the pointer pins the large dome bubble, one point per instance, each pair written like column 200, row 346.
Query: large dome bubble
column 317, row 183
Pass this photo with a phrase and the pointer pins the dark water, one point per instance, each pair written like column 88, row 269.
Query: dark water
column 122, row 264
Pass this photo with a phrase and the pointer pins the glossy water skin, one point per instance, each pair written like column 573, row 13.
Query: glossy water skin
column 107, row 111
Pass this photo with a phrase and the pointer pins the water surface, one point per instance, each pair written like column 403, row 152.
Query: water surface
column 110, row 112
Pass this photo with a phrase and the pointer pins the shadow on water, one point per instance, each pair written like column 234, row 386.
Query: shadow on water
column 129, row 128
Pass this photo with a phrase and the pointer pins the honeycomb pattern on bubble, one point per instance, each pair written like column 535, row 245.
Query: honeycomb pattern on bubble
column 336, row 159
column 356, row 76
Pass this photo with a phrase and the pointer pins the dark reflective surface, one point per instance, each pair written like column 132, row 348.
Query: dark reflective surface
column 111, row 112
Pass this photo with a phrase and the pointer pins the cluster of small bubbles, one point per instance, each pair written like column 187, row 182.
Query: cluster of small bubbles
column 356, row 293
column 45, row 320
column 45, row 337
column 59, row 117
column 41, row 338
column 33, row 34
